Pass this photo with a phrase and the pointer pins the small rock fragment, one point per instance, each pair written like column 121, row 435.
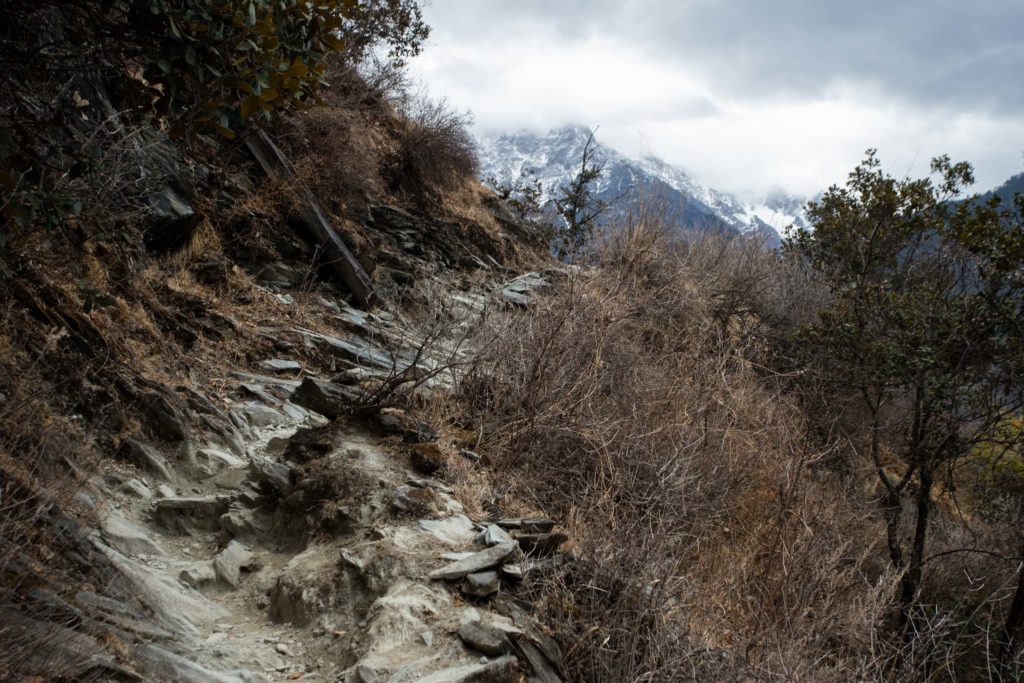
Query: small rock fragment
column 493, row 535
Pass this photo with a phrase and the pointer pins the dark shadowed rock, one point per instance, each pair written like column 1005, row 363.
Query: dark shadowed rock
column 273, row 476
column 541, row 544
column 309, row 444
column 327, row 398
column 165, row 415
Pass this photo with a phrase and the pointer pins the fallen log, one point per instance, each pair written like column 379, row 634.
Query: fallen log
column 276, row 165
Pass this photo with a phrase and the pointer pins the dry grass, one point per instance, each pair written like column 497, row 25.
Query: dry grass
column 716, row 537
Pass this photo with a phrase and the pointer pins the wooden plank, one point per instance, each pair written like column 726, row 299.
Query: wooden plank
column 276, row 165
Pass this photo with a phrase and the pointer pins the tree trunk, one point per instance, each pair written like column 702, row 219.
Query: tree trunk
column 893, row 513
column 912, row 579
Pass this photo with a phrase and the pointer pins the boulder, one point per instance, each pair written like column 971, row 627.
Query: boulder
column 198, row 574
column 239, row 521
column 275, row 477
column 229, row 562
column 306, row 586
column 457, row 530
column 253, row 415
column 485, row 638
column 136, row 488
column 494, row 535
column 481, row 584
column 210, row 461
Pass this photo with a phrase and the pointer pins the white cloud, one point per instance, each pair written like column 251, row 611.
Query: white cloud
column 517, row 70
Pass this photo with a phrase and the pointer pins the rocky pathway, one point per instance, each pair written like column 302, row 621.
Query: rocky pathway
column 394, row 582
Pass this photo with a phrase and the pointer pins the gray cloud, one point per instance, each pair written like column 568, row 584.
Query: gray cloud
column 930, row 76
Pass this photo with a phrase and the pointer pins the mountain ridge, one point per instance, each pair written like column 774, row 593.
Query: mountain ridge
column 553, row 158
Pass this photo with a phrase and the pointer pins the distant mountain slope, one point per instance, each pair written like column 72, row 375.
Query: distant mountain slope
column 1007, row 190
column 554, row 158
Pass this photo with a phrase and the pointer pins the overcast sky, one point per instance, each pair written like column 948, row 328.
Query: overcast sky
column 747, row 95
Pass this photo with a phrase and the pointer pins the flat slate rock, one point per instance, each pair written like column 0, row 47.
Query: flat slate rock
column 281, row 365
column 543, row 669
column 477, row 562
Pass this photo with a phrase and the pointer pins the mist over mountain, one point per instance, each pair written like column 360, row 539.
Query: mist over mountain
column 554, row 158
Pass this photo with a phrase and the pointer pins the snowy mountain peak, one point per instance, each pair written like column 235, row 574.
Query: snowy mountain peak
column 554, row 157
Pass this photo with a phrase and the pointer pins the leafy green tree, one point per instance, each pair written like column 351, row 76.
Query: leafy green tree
column 576, row 204
column 925, row 328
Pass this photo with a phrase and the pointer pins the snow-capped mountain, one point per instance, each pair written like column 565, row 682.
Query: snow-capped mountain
column 554, row 159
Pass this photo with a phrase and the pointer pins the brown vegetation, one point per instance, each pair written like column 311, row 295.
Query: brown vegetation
column 724, row 525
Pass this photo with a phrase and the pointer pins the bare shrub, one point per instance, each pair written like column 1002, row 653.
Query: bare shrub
column 434, row 150
column 711, row 543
